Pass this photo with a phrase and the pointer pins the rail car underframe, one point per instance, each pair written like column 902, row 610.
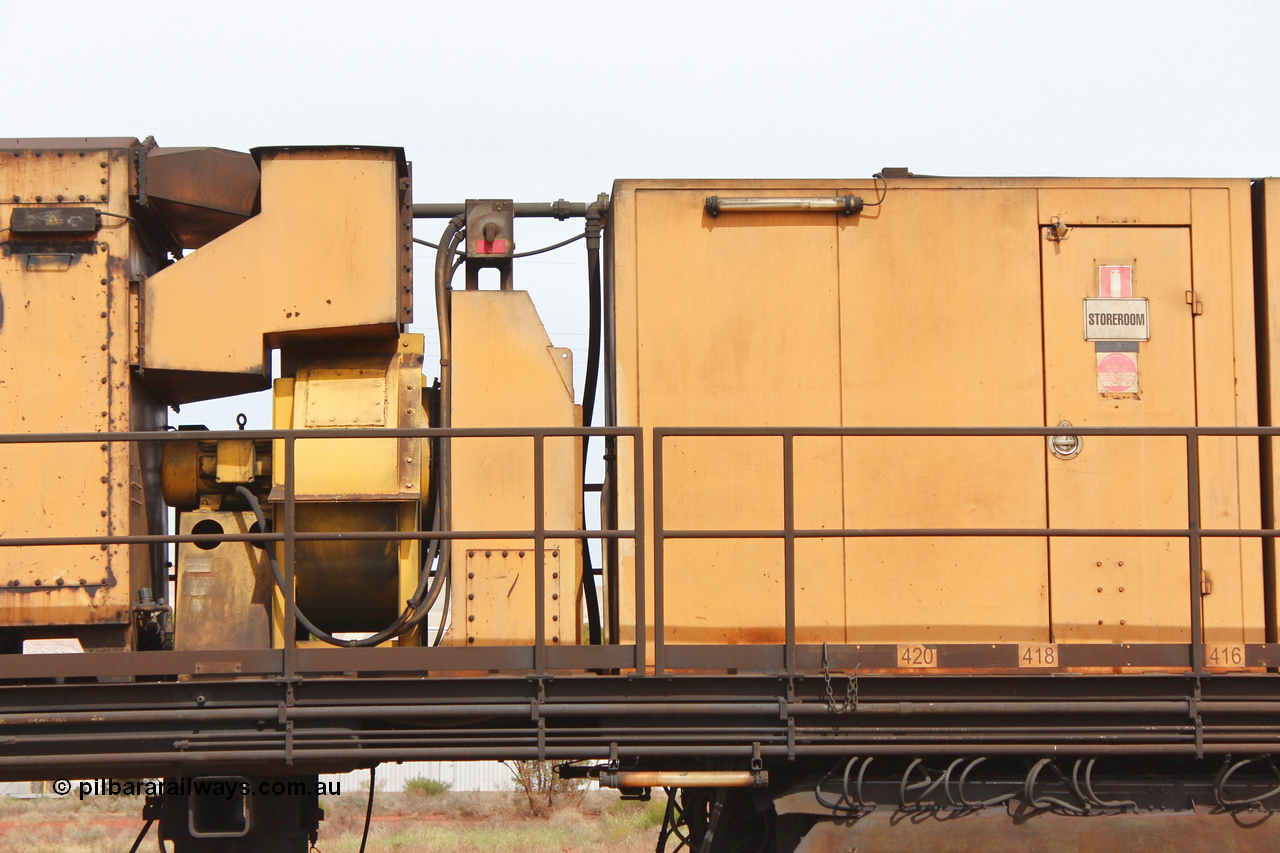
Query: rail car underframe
column 84, row 728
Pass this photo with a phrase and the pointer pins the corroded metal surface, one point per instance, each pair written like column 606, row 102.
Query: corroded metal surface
column 998, row 832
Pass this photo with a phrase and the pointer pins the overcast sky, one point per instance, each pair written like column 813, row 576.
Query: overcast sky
column 537, row 101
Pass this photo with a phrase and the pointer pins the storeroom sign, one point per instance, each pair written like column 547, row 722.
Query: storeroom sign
column 1116, row 320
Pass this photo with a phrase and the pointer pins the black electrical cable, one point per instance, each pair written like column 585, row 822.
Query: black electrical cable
column 444, row 609
column 445, row 268
column 530, row 253
column 881, row 192
column 368, row 812
column 137, row 842
column 415, row 608
column 559, row 245
column 595, row 630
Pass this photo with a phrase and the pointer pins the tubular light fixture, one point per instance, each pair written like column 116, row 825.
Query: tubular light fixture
column 849, row 205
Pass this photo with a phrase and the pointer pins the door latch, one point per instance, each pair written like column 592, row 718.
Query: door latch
column 1193, row 299
column 1065, row 446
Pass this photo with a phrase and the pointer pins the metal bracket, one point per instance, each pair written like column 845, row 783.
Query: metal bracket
column 1195, row 715
column 1193, row 299
column 1065, row 446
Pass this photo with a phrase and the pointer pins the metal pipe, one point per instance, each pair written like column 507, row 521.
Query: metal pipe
column 309, row 536
column 395, row 753
column 1180, row 706
column 571, row 709
column 684, row 779
column 526, row 432
column 524, row 209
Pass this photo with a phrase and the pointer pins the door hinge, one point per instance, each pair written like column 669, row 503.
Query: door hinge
column 1206, row 585
column 1193, row 299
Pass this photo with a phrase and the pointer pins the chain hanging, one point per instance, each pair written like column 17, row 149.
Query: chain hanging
column 850, row 702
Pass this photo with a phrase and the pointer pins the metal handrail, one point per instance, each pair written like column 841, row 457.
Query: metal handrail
column 289, row 536
column 1193, row 532
column 789, row 533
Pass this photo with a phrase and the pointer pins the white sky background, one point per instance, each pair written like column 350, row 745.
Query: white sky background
column 537, row 101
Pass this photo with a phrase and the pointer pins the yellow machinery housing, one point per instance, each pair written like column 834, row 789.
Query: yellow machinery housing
column 788, row 358
column 947, row 303
column 955, row 303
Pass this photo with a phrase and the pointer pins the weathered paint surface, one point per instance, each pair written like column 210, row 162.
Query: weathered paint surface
column 946, row 306
column 65, row 367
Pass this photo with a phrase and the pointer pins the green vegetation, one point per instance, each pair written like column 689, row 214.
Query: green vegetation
column 426, row 787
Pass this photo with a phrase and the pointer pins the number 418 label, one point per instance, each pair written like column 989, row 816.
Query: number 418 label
column 1038, row 654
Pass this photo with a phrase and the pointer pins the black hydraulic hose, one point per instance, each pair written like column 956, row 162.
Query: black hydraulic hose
column 595, row 630
column 368, row 812
column 445, row 267
column 414, row 610
column 137, row 842
column 444, row 610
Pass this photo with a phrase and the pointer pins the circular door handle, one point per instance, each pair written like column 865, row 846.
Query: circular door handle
column 1065, row 446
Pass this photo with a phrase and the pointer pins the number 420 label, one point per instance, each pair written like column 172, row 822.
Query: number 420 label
column 917, row 656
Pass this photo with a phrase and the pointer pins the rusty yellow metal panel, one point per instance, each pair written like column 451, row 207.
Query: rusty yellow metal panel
column 1129, row 590
column 738, row 324
column 507, row 374
column 1115, row 205
column 57, row 176
column 935, row 317
column 223, row 592
column 235, row 461
column 499, row 588
column 344, row 397
column 940, row 326
column 357, row 389
column 1230, row 493
column 64, row 367
column 322, row 258
column 349, row 484
column 1266, row 208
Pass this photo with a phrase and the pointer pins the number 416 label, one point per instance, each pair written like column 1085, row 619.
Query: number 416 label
column 1225, row 654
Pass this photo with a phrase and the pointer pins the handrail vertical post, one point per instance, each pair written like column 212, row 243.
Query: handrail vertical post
column 290, row 553
column 659, row 543
column 1195, row 551
column 539, row 556
column 789, row 547
column 637, row 444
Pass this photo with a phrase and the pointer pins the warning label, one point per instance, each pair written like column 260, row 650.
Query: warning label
column 1115, row 281
column 1117, row 373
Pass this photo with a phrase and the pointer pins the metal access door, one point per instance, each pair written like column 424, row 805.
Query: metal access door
column 1118, row 589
